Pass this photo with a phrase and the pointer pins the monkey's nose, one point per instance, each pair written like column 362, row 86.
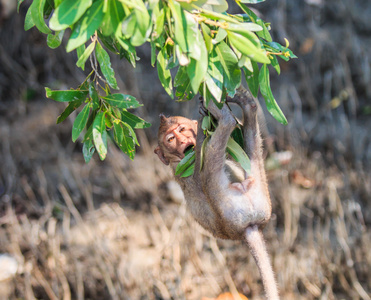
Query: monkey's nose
column 180, row 137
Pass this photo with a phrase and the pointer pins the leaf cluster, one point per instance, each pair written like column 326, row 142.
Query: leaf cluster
column 101, row 116
column 209, row 49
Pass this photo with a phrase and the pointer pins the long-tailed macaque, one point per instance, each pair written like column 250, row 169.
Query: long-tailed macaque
column 221, row 197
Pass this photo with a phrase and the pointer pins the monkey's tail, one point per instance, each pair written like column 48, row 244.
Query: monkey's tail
column 255, row 241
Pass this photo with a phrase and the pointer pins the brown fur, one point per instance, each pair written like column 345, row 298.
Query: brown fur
column 222, row 198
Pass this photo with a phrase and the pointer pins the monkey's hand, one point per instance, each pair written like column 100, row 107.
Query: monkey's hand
column 202, row 110
column 223, row 114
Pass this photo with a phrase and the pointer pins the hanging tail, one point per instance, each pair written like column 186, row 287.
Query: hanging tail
column 255, row 241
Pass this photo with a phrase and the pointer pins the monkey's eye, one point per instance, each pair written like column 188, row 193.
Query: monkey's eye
column 170, row 139
column 181, row 129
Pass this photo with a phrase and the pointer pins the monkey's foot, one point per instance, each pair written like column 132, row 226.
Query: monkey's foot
column 223, row 115
column 245, row 100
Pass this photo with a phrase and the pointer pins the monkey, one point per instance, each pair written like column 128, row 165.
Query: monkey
column 221, row 197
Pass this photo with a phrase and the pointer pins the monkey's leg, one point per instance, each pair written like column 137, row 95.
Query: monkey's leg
column 199, row 141
column 251, row 132
column 262, row 208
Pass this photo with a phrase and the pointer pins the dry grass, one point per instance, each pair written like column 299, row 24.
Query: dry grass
column 116, row 230
column 119, row 230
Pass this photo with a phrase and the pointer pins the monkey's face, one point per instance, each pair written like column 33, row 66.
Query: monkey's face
column 179, row 135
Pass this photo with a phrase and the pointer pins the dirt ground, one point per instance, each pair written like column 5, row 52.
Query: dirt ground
column 119, row 229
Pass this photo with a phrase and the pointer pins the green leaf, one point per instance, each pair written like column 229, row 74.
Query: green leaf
column 181, row 77
column 194, row 39
column 158, row 21
column 19, row 2
column 112, row 19
column 248, row 47
column 229, row 61
column 190, row 38
column 254, row 18
column 134, row 121
column 37, row 11
column 185, row 163
column 206, row 123
column 276, row 47
column 122, row 101
column 100, row 135
column 138, row 38
column 143, row 18
column 124, row 140
column 220, row 36
column 153, row 54
column 105, row 66
column 80, row 50
column 244, row 28
column 252, row 78
column 80, row 122
column 94, row 96
column 28, row 21
column 266, row 91
column 129, row 25
column 206, row 32
column 131, row 133
column 196, row 72
column 89, row 133
column 181, row 57
column 65, row 96
column 180, row 25
column 188, row 5
column 238, row 154
column 84, row 56
column 71, row 107
column 197, row 68
column 86, row 26
column 68, row 13
column 275, row 64
column 57, row 3
column 55, row 40
column 237, row 135
column 163, row 73
column 218, row 16
column 189, row 171
column 203, row 149
column 118, row 133
column 48, row 8
column 251, row 1
column 185, row 91
column 128, row 51
column 110, row 42
column 219, row 6
column 88, row 150
column 214, row 78
column 130, row 29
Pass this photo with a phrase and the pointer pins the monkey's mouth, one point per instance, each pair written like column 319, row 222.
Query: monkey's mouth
column 188, row 149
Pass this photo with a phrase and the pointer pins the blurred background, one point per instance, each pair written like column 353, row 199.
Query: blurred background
column 119, row 229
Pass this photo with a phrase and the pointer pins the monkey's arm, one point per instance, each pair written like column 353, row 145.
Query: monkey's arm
column 199, row 141
column 213, row 177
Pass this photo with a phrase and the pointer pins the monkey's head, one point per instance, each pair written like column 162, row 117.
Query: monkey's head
column 175, row 136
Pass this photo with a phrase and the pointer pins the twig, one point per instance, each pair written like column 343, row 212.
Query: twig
column 44, row 283
column 227, row 275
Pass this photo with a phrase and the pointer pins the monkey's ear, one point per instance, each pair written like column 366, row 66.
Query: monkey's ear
column 195, row 121
column 161, row 156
